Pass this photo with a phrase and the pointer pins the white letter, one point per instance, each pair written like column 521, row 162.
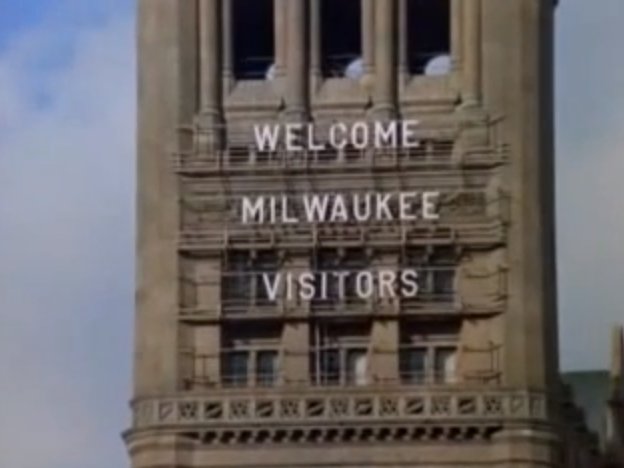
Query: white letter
column 404, row 205
column 323, row 285
column 306, row 284
column 359, row 141
column 385, row 135
column 332, row 136
column 429, row 205
column 342, row 276
column 339, row 210
column 409, row 281
column 253, row 212
column 273, row 210
column 289, row 287
column 312, row 144
column 267, row 137
column 271, row 289
column 409, row 134
column 383, row 210
column 362, row 215
column 285, row 217
column 293, row 139
column 316, row 210
column 387, row 279
column 364, row 284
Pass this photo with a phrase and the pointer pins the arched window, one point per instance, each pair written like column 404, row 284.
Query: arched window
column 341, row 37
column 253, row 41
column 428, row 36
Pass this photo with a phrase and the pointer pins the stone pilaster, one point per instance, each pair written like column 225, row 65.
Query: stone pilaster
column 210, row 118
column 296, row 96
column 368, row 38
column 471, row 53
column 385, row 61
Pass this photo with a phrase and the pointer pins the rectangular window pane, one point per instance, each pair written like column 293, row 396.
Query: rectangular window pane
column 329, row 367
column 236, row 281
column 413, row 365
column 357, row 367
column 445, row 365
column 265, row 269
column 266, row 368
column 443, row 282
column 235, row 368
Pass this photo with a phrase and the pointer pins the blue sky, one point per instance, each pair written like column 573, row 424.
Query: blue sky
column 67, row 229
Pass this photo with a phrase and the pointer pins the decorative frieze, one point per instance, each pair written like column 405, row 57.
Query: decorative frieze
column 319, row 410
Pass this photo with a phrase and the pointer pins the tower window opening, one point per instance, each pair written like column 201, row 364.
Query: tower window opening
column 428, row 352
column 253, row 41
column 244, row 280
column 428, row 37
column 340, row 354
column 250, row 355
column 341, row 37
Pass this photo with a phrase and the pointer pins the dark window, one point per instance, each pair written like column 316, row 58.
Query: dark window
column 443, row 280
column 428, row 352
column 235, row 368
column 266, row 368
column 341, row 35
column 326, row 261
column 329, row 367
column 236, row 281
column 245, row 278
column 253, row 38
column 413, row 365
column 428, row 36
column 265, row 270
column 437, row 272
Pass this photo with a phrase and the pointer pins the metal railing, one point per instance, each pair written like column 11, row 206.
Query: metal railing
column 491, row 231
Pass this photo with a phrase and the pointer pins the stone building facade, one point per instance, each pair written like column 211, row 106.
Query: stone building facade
column 229, row 374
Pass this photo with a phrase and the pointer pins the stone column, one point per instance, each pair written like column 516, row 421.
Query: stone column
column 471, row 60
column 281, row 37
column 368, row 37
column 210, row 72
column 228, row 44
column 296, row 60
column 385, row 53
column 316, row 71
column 403, row 40
column 457, row 8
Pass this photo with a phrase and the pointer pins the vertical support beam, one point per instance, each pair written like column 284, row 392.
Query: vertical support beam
column 167, row 99
column 315, row 43
column 210, row 72
column 385, row 53
column 228, row 45
column 522, row 58
column 297, row 53
column 457, row 28
column 281, row 36
column 368, row 36
column 472, row 50
column 403, row 40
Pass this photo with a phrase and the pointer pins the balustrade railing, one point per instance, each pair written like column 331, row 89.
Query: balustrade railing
column 232, row 407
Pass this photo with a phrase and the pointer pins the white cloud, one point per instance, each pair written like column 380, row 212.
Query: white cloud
column 66, row 205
